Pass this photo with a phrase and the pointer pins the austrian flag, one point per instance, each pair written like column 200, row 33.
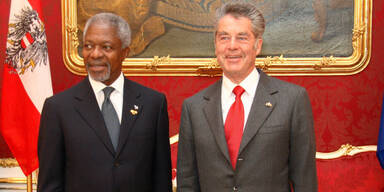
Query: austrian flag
column 26, row 82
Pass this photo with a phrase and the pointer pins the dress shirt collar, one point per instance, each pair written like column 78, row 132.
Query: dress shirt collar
column 249, row 84
column 98, row 86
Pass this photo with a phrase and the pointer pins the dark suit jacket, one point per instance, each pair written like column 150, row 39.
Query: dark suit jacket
column 277, row 147
column 76, row 153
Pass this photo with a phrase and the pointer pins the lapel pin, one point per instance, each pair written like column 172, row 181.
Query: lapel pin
column 268, row 104
column 133, row 112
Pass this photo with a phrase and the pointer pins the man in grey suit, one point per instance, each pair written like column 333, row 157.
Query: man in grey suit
column 247, row 132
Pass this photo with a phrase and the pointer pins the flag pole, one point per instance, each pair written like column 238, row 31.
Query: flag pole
column 29, row 183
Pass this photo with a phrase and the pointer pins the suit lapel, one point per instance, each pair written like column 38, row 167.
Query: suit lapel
column 262, row 105
column 131, row 111
column 213, row 114
column 86, row 105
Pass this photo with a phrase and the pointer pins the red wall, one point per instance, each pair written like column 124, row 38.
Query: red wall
column 4, row 5
column 346, row 108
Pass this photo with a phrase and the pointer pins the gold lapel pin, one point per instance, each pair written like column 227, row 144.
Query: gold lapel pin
column 133, row 112
column 268, row 104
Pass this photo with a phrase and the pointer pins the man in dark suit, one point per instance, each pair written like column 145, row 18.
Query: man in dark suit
column 247, row 132
column 107, row 133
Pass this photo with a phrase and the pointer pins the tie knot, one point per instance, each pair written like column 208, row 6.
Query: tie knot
column 107, row 91
column 238, row 91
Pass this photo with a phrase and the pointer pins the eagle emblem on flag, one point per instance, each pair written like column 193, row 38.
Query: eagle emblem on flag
column 26, row 44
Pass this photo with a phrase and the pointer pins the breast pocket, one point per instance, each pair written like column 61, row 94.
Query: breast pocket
column 273, row 129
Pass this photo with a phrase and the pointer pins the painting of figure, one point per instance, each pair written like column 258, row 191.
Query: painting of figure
column 184, row 28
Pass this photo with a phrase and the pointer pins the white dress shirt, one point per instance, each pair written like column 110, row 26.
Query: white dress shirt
column 249, row 84
column 116, row 96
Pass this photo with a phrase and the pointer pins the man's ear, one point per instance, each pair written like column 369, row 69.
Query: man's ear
column 125, row 53
column 259, row 43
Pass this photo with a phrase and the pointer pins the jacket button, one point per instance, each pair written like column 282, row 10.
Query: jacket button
column 116, row 164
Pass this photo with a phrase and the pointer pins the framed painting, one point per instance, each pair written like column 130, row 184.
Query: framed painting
column 176, row 37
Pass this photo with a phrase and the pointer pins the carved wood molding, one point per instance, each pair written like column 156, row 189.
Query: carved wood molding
column 346, row 150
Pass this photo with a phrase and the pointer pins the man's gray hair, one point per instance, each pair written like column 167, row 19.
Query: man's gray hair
column 122, row 27
column 240, row 8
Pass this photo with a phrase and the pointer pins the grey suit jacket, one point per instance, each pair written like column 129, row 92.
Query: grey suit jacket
column 277, row 149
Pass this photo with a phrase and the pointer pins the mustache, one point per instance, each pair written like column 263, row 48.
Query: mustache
column 97, row 63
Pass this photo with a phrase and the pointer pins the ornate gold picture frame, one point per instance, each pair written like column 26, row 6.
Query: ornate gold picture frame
column 285, row 53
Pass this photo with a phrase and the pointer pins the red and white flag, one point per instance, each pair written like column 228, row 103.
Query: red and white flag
column 26, row 82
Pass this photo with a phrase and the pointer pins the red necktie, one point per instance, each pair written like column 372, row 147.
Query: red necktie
column 234, row 125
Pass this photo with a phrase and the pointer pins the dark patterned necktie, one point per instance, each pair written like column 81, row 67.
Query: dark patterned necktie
column 110, row 117
column 234, row 125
